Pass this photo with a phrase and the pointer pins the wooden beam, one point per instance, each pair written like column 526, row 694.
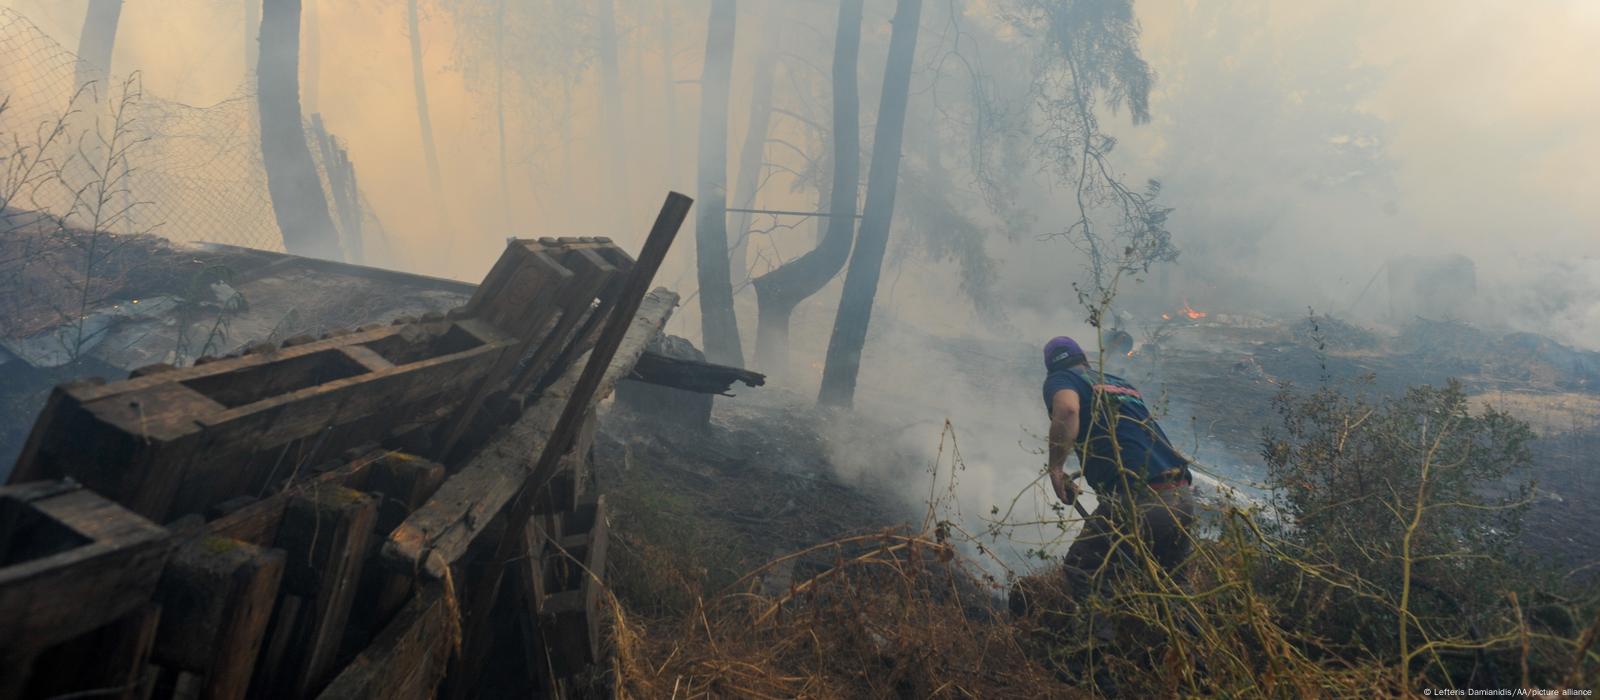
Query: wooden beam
column 614, row 333
column 119, row 654
column 692, row 375
column 407, row 659
column 217, row 595
column 403, row 482
column 325, row 534
column 187, row 435
column 438, row 534
column 570, row 614
column 78, row 562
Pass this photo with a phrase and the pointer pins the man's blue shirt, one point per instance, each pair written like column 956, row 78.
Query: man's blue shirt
column 1145, row 449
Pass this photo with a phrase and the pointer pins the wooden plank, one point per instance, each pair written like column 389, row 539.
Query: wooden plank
column 692, row 375
column 325, row 533
column 527, row 572
column 407, row 659
column 537, row 326
column 620, row 319
column 217, row 595
column 84, row 562
column 438, row 533
column 117, row 657
column 479, row 578
column 403, row 483
column 257, row 523
column 584, row 336
column 187, row 434
column 571, row 613
column 528, row 569
column 614, row 333
column 599, row 275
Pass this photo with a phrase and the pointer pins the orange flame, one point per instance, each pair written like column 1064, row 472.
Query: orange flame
column 1191, row 312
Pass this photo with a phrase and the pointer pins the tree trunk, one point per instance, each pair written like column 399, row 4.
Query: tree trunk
column 866, row 262
column 430, row 152
column 751, row 162
column 611, row 104
column 95, row 43
column 778, row 292
column 719, row 326
column 298, row 201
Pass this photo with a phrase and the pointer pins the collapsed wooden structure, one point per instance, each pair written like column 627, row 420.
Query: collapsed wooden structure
column 344, row 516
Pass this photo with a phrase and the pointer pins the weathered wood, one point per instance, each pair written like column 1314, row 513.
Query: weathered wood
column 605, row 278
column 217, row 596
column 257, row 522
column 614, row 334
column 118, row 656
column 528, row 570
column 690, row 375
column 478, row 578
column 437, row 534
column 185, row 432
column 567, row 281
column 565, row 490
column 71, row 561
column 279, row 637
column 325, row 533
column 588, row 330
column 570, row 612
column 402, row 482
column 407, row 660
column 527, row 579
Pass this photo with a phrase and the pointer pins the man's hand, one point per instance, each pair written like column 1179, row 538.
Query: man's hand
column 1063, row 486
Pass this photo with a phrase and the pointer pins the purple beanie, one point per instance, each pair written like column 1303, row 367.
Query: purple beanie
column 1060, row 348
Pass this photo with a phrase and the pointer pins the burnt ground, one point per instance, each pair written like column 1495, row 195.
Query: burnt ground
column 693, row 511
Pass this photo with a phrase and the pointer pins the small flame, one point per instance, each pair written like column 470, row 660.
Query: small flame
column 1191, row 312
column 1130, row 353
column 1166, row 317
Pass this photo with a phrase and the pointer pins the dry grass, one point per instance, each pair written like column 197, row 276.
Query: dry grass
column 895, row 617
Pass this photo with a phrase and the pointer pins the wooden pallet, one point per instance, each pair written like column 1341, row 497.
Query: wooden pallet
column 71, row 563
column 339, row 512
column 189, row 438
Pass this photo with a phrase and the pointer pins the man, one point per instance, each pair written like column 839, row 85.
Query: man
column 1143, row 484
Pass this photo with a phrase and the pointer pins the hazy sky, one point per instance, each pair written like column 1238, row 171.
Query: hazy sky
column 1302, row 141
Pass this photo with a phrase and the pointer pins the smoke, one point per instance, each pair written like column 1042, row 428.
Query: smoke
column 1305, row 144
column 1302, row 145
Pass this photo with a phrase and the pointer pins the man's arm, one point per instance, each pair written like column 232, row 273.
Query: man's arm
column 1064, row 408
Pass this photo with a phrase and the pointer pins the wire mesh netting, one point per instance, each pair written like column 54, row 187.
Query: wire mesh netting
column 183, row 172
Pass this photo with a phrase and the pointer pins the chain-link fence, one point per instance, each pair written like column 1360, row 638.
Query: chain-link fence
column 187, row 173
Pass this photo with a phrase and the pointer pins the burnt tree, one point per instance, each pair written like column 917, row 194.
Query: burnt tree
column 866, row 262
column 298, row 202
column 719, row 326
column 778, row 292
